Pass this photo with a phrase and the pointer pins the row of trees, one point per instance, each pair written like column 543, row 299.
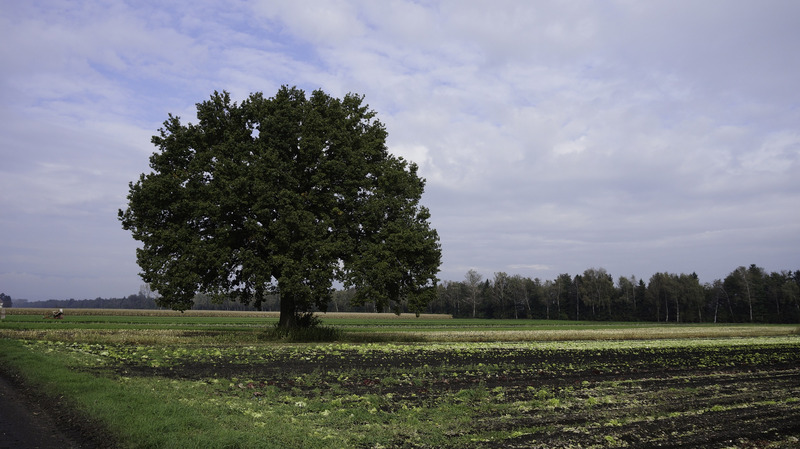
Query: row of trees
column 745, row 295
column 139, row 301
column 145, row 299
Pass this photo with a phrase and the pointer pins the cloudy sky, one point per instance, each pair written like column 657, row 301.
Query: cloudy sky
column 555, row 136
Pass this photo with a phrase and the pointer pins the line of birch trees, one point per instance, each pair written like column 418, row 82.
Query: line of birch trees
column 746, row 295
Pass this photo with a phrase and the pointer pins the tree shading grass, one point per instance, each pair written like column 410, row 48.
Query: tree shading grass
column 309, row 329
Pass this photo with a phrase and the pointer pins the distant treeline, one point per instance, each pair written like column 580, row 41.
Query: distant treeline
column 746, row 295
column 340, row 302
column 138, row 301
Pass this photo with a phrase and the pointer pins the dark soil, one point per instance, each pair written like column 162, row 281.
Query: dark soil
column 718, row 397
column 29, row 419
column 548, row 363
column 752, row 412
column 721, row 397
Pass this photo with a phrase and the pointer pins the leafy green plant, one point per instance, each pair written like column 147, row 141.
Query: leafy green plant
column 396, row 393
column 473, row 395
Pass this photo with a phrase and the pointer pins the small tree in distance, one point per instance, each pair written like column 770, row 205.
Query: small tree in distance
column 282, row 195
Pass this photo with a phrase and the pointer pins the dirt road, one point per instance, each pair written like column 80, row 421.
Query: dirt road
column 28, row 420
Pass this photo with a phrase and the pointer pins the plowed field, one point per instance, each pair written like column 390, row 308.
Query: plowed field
column 686, row 396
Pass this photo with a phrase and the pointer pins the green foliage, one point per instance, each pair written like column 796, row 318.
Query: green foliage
column 209, row 394
column 5, row 300
column 472, row 395
column 285, row 195
column 745, row 295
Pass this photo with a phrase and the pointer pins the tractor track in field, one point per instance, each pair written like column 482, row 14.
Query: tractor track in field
column 30, row 419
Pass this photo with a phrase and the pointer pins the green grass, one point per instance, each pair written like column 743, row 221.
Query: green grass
column 187, row 329
column 80, row 359
column 130, row 412
column 154, row 412
column 127, row 321
column 158, row 413
column 360, row 325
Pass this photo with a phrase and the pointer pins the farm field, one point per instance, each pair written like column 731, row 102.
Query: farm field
column 215, row 381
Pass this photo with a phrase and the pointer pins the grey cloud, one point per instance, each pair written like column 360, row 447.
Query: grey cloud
column 640, row 137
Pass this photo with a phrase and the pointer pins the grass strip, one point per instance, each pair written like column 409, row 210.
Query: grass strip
column 141, row 414
column 156, row 412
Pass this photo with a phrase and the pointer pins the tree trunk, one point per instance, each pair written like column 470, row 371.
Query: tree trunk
column 547, row 308
column 288, row 317
column 747, row 288
column 528, row 303
column 558, row 303
column 730, row 306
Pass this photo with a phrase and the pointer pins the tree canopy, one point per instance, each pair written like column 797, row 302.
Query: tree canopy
column 282, row 195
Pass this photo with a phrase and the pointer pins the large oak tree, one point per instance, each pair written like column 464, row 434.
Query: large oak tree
column 282, row 195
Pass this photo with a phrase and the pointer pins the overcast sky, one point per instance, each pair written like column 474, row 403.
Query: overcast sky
column 555, row 136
